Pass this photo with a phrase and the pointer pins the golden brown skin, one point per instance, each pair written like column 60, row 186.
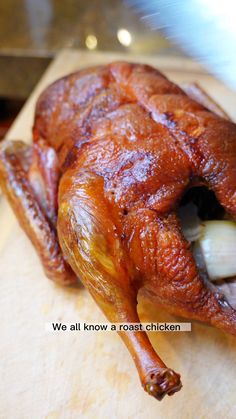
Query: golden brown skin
column 124, row 143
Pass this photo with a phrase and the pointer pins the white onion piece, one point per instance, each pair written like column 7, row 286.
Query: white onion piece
column 190, row 222
column 199, row 259
column 218, row 245
column 228, row 288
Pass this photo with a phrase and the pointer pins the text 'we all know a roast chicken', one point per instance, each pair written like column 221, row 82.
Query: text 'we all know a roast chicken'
column 130, row 186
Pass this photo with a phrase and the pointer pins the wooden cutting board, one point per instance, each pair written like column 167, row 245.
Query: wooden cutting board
column 91, row 375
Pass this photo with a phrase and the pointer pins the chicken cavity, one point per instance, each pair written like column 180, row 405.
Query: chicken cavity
column 212, row 235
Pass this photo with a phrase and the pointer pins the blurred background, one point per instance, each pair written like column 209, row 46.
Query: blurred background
column 33, row 31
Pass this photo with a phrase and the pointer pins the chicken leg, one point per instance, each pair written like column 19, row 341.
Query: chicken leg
column 89, row 237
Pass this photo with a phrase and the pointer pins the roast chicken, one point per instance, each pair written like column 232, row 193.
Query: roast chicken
column 116, row 151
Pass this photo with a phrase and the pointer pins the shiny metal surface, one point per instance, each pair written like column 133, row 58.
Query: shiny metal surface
column 205, row 29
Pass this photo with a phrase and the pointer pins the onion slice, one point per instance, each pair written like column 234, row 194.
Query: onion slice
column 190, row 222
column 218, row 246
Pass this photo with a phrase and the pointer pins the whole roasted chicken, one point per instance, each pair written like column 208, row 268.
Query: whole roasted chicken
column 117, row 151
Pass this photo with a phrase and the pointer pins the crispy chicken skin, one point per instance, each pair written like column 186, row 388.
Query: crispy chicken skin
column 114, row 149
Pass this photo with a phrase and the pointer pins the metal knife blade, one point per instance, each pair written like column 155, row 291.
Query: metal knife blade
column 204, row 29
